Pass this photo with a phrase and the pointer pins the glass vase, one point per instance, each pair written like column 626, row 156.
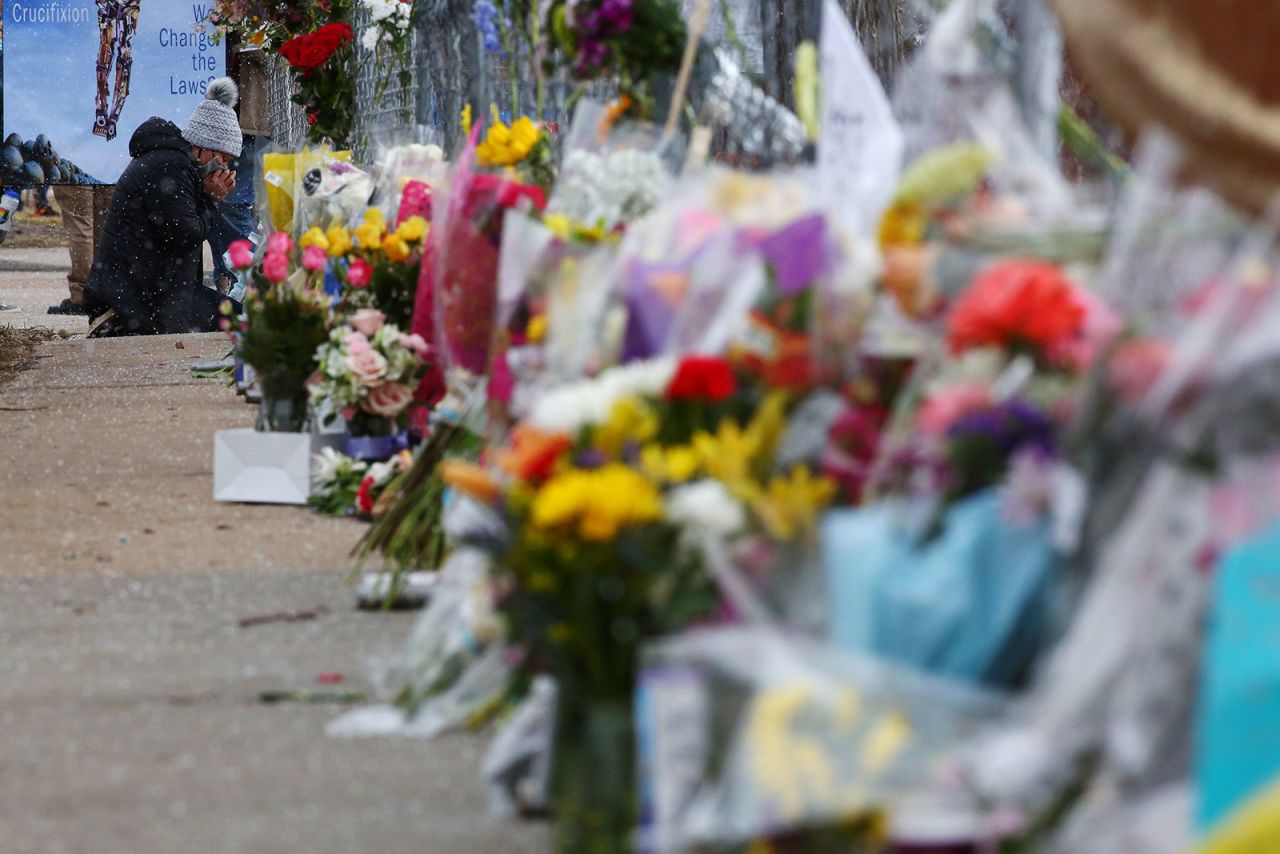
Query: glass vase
column 286, row 414
column 593, row 788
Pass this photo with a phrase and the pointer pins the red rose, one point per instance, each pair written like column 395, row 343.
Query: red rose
column 702, row 378
column 308, row 52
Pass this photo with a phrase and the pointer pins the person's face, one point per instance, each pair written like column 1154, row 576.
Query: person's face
column 204, row 155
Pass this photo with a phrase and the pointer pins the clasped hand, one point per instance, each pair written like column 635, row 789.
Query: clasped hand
column 220, row 183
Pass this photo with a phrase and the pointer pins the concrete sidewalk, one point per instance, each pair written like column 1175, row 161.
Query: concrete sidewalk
column 130, row 720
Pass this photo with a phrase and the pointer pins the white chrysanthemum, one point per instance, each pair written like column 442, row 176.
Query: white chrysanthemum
column 706, row 507
column 571, row 407
column 370, row 38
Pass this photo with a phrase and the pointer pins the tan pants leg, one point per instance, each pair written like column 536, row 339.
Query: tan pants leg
column 84, row 212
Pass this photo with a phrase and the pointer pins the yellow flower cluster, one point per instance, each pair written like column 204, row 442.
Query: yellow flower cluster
column 631, row 421
column 508, row 145
column 371, row 235
column 566, row 229
column 598, row 502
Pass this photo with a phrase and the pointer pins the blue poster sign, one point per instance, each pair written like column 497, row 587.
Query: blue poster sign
column 81, row 75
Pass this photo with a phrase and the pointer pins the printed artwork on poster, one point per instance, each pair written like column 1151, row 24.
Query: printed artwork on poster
column 81, row 75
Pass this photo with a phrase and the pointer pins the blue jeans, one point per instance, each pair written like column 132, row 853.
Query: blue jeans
column 237, row 219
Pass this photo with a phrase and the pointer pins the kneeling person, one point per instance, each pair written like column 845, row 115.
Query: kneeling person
column 148, row 272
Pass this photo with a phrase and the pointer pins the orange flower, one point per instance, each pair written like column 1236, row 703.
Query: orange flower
column 533, row 453
column 470, row 478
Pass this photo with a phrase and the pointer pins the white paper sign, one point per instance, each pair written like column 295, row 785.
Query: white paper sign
column 860, row 145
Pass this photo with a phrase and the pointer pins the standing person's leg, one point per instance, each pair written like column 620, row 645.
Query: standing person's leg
column 77, row 224
column 236, row 219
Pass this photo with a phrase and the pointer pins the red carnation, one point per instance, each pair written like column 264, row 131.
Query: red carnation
column 702, row 378
column 308, row 52
column 364, row 497
column 1018, row 304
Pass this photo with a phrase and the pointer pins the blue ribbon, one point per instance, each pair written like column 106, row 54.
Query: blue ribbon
column 374, row 449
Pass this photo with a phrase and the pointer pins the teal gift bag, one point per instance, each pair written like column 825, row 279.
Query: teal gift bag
column 969, row 603
column 1238, row 732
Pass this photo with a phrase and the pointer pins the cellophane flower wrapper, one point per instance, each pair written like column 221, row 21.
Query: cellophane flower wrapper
column 1169, row 241
column 1123, row 690
column 451, row 669
column 746, row 733
column 951, row 90
column 610, row 174
column 467, row 240
column 411, row 162
column 329, row 190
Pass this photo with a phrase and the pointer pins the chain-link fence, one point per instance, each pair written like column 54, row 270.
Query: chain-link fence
column 450, row 67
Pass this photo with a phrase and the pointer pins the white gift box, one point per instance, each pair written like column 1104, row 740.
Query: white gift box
column 266, row 468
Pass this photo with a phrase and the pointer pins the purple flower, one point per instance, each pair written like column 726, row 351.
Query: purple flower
column 591, row 458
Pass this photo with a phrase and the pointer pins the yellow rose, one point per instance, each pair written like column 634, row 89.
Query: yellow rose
column 339, row 241
column 537, row 329
column 396, row 249
column 413, row 229
column 369, row 236
column 314, row 237
column 466, row 120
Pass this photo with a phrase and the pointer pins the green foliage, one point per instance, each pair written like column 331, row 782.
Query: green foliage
column 285, row 328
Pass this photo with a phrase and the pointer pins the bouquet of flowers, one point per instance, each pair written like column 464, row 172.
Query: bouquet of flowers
column 632, row 41
column 320, row 61
column 389, row 33
column 285, row 320
column 380, row 267
column 611, row 489
column 368, row 370
column 467, row 238
column 344, row 486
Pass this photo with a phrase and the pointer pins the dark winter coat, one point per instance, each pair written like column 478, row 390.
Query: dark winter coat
column 149, row 264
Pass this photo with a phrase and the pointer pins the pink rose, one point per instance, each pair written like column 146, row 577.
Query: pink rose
column 349, row 412
column 280, row 242
column 416, row 343
column 387, row 400
column 275, row 267
column 356, row 343
column 943, row 408
column 241, row 254
column 314, row 258
column 368, row 321
column 359, row 273
column 368, row 367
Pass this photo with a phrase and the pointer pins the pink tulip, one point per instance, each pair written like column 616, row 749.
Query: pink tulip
column 280, row 242
column 359, row 273
column 314, row 258
column 241, row 254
